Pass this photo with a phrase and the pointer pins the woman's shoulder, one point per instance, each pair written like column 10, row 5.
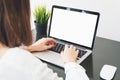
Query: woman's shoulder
column 20, row 58
column 18, row 54
column 17, row 50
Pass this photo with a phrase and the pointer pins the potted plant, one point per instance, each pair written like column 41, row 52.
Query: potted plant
column 41, row 15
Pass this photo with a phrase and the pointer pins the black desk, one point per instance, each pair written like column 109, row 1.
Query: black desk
column 105, row 52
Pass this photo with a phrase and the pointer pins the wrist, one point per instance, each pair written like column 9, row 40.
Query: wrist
column 28, row 48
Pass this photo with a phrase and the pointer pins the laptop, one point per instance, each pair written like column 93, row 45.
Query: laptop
column 71, row 26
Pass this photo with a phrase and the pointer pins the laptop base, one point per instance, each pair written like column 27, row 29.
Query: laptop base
column 55, row 58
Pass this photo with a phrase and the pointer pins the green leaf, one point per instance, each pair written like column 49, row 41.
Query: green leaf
column 41, row 14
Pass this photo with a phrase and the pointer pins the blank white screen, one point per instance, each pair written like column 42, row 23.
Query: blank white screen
column 76, row 27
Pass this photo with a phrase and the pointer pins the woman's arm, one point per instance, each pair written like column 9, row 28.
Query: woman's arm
column 73, row 71
column 41, row 45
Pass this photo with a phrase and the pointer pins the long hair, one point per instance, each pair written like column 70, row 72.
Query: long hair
column 15, row 27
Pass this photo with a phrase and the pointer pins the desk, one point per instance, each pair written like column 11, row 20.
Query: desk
column 105, row 52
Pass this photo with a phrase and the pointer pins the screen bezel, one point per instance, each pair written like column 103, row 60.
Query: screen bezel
column 78, row 10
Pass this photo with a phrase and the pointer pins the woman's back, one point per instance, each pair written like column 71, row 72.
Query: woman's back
column 18, row 64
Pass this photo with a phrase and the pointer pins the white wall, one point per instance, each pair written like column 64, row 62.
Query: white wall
column 109, row 24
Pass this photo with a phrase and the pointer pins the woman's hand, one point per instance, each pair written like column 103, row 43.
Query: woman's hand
column 69, row 54
column 41, row 45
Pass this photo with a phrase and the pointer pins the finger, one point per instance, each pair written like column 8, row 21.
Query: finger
column 71, row 46
column 51, row 41
column 66, row 46
column 50, row 46
column 74, row 48
column 77, row 52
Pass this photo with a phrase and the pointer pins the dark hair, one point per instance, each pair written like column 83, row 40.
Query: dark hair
column 15, row 27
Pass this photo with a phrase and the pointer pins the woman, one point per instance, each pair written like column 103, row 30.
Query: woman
column 18, row 63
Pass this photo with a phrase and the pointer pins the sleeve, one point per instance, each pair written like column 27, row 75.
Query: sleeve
column 45, row 73
column 74, row 71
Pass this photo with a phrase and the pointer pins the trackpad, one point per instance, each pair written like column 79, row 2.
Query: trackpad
column 51, row 57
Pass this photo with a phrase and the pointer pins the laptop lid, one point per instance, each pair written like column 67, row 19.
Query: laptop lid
column 75, row 26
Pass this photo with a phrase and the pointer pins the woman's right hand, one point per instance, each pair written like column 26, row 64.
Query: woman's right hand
column 69, row 54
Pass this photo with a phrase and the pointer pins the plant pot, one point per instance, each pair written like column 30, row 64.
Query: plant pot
column 41, row 30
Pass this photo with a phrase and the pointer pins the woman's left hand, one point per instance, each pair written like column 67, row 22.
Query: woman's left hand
column 41, row 45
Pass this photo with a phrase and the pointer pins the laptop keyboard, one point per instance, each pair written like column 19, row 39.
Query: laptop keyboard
column 59, row 47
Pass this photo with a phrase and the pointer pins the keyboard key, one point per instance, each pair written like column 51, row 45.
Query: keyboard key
column 59, row 47
column 81, row 53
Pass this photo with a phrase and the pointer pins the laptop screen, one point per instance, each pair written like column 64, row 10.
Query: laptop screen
column 73, row 25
